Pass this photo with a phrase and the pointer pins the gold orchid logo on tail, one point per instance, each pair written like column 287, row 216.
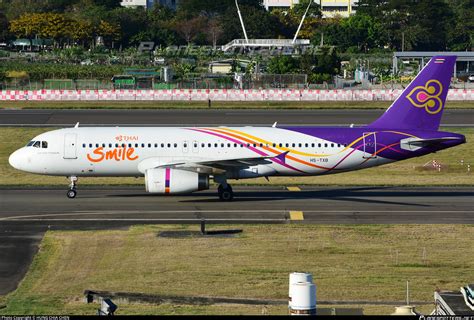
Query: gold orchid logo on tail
column 427, row 96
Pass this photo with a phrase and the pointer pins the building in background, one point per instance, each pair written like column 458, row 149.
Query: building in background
column 329, row 8
column 332, row 8
column 148, row 4
column 133, row 3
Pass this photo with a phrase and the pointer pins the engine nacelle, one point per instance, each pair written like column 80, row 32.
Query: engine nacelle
column 170, row 181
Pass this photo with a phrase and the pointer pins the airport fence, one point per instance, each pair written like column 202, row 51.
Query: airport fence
column 216, row 95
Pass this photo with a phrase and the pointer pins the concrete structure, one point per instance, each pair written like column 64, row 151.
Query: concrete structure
column 148, row 4
column 329, row 8
column 464, row 61
column 265, row 43
column 133, row 3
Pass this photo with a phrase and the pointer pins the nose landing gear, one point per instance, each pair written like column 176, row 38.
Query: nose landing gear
column 71, row 193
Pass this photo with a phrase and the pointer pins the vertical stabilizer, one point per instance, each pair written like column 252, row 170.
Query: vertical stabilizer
column 421, row 104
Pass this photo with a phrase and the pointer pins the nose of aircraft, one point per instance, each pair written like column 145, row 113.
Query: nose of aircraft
column 15, row 159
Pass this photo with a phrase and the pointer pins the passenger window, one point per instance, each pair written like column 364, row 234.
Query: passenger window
column 319, row 145
column 129, row 145
column 143, row 145
column 261, row 145
column 116, row 145
column 222, row 145
column 293, row 145
column 325, row 145
column 287, row 145
column 235, row 145
column 103, row 145
column 274, row 145
column 209, row 145
column 306, row 145
column 162, row 145
column 44, row 144
column 300, row 145
column 332, row 145
column 96, row 145
column 312, row 145
column 228, row 145
column 149, row 145
column 175, row 145
column 90, row 145
column 169, row 145
column 110, row 145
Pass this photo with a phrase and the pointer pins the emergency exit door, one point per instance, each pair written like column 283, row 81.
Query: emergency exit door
column 370, row 145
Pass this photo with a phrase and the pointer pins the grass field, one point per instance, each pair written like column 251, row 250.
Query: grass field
column 349, row 263
column 401, row 173
column 215, row 105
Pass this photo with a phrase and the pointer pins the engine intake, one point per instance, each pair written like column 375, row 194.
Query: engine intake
column 171, row 181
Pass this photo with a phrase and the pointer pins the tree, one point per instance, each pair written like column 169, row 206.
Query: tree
column 28, row 25
column 4, row 34
column 160, row 25
column 109, row 31
column 81, row 31
column 282, row 65
column 214, row 31
column 259, row 23
column 55, row 26
column 189, row 29
column 461, row 35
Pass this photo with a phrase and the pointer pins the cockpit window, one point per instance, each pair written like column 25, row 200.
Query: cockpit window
column 37, row 144
column 30, row 143
column 44, row 144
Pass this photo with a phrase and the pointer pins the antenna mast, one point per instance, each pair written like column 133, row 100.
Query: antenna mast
column 302, row 20
column 242, row 22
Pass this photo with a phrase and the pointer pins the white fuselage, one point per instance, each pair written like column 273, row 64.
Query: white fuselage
column 92, row 151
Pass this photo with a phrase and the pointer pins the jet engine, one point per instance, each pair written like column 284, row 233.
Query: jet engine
column 171, row 181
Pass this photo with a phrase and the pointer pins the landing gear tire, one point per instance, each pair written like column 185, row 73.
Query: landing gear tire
column 71, row 194
column 225, row 193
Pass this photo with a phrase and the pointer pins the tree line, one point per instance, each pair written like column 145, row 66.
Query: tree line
column 378, row 25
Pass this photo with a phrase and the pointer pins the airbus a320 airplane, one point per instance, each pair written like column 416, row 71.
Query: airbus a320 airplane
column 183, row 160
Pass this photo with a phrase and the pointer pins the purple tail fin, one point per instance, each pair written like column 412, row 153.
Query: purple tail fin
column 421, row 104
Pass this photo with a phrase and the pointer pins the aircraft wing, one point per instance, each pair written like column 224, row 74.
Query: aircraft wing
column 222, row 165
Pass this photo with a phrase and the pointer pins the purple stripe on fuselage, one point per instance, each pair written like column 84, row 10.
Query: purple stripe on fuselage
column 275, row 159
column 384, row 137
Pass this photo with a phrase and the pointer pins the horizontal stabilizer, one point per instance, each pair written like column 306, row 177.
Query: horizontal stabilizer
column 413, row 144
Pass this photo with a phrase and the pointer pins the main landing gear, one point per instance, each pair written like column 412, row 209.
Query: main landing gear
column 225, row 192
column 71, row 193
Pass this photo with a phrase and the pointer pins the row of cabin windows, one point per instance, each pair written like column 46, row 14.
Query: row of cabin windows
column 216, row 145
